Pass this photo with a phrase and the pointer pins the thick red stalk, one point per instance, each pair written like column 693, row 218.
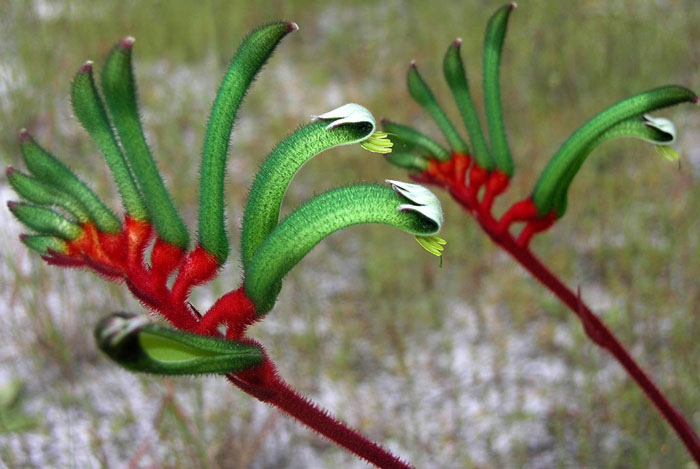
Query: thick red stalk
column 499, row 233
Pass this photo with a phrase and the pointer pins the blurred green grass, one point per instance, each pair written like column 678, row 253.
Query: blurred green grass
column 368, row 310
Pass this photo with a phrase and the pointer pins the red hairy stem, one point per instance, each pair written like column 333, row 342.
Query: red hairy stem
column 236, row 311
column 594, row 328
column 266, row 385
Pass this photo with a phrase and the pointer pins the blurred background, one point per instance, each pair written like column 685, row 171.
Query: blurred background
column 471, row 365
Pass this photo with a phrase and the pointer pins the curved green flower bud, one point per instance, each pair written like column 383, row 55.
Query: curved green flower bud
column 45, row 221
column 329, row 212
column 44, row 244
column 661, row 132
column 119, row 89
column 90, row 111
column 256, row 48
column 348, row 124
column 493, row 46
column 40, row 193
column 415, row 141
column 409, row 161
column 420, row 91
column 570, row 156
column 453, row 69
column 50, row 170
column 136, row 344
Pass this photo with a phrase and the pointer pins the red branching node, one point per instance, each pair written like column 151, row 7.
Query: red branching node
column 234, row 310
column 165, row 258
column 461, row 164
column 535, row 226
column 524, row 210
column 198, row 268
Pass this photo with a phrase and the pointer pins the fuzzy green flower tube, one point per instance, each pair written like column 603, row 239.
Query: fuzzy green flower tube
column 119, row 89
column 45, row 221
column 545, row 192
column 658, row 131
column 409, row 161
column 44, row 245
column 415, row 140
column 136, row 344
column 420, row 91
column 493, row 46
column 256, row 48
column 50, row 170
column 345, row 125
column 417, row 211
column 90, row 111
column 456, row 78
column 41, row 193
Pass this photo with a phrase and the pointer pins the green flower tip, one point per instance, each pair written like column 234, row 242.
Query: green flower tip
column 428, row 205
column 113, row 330
column 350, row 113
column 424, row 201
column 667, row 136
column 353, row 113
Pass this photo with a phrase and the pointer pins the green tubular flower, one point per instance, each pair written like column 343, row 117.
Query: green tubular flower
column 256, row 48
column 136, row 344
column 556, row 177
column 44, row 244
column 420, row 91
column 493, row 46
column 415, row 141
column 408, row 207
column 348, row 124
column 90, row 111
column 48, row 169
column 456, row 78
column 40, row 193
column 658, row 131
column 409, row 161
column 45, row 221
column 119, row 89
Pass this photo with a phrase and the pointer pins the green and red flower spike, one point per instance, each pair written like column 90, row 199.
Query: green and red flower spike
column 475, row 180
column 74, row 228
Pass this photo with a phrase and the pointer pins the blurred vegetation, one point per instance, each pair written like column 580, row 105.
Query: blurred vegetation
column 368, row 311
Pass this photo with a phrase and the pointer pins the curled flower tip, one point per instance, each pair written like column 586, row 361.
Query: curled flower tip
column 513, row 5
column 378, row 142
column 457, row 42
column 117, row 327
column 292, row 25
column 24, row 135
column 350, row 113
column 666, row 135
column 433, row 244
column 424, row 201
